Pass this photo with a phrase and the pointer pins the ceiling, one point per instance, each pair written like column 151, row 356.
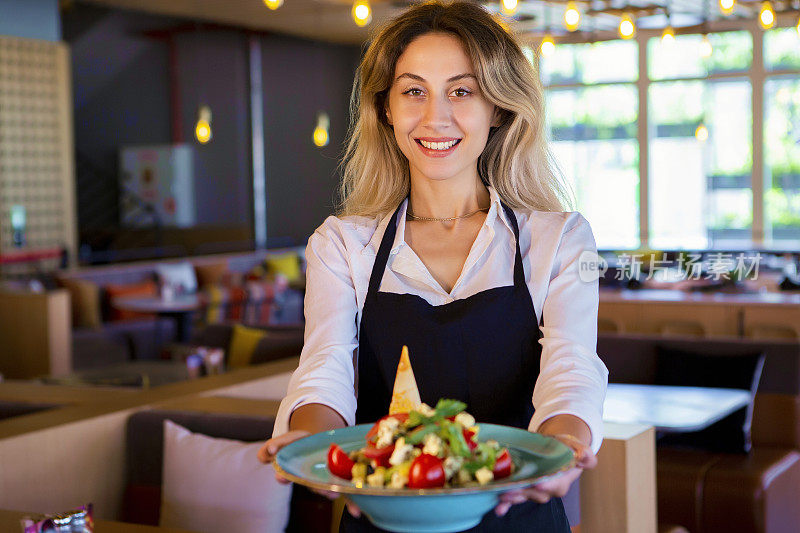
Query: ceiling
column 330, row 20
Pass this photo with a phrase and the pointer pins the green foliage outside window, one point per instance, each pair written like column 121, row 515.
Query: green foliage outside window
column 783, row 207
column 781, row 49
column 732, row 52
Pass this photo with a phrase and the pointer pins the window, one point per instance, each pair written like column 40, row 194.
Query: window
column 592, row 113
column 700, row 164
column 700, row 158
column 782, row 162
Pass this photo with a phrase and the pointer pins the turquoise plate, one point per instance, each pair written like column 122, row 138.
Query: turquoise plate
column 536, row 457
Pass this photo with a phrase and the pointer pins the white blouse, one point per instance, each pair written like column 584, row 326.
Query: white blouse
column 340, row 255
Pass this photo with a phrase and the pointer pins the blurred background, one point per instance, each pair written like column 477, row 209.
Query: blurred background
column 163, row 162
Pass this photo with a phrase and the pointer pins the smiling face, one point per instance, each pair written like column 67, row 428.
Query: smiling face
column 440, row 117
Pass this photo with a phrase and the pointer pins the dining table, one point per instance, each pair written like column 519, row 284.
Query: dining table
column 669, row 408
column 180, row 308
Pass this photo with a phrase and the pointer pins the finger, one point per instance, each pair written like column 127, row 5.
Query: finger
column 263, row 455
column 280, row 479
column 353, row 509
column 502, row 508
column 266, row 454
column 537, row 495
column 513, row 497
column 587, row 461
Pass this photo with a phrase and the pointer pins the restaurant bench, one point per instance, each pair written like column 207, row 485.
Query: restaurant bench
column 144, row 457
column 707, row 491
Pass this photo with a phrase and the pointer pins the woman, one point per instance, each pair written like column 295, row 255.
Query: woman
column 451, row 239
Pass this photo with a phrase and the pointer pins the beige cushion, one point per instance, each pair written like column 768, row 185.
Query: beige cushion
column 218, row 485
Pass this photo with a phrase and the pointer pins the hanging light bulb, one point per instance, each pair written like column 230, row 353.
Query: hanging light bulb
column 510, row 6
column 766, row 16
column 572, row 17
column 548, row 46
column 273, row 4
column 726, row 6
column 627, row 28
column 321, row 131
column 701, row 133
column 668, row 35
column 362, row 12
column 203, row 128
column 705, row 47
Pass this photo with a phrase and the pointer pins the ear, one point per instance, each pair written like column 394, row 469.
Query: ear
column 388, row 115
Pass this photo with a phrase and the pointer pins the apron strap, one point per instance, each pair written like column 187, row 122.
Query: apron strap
column 519, row 272
column 383, row 253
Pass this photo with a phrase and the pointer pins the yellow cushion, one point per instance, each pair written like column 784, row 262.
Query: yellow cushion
column 287, row 264
column 243, row 343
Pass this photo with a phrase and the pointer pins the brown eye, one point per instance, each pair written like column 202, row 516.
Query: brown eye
column 413, row 92
column 462, row 92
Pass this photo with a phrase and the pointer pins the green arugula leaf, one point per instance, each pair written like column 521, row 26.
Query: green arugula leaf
column 455, row 438
column 446, row 408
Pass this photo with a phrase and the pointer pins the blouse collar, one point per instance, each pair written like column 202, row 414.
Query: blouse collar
column 495, row 210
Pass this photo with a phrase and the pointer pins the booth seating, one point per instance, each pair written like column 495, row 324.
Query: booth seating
column 707, row 491
column 277, row 341
column 233, row 287
column 144, row 462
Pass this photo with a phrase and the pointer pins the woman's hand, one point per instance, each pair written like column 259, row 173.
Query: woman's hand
column 558, row 487
column 267, row 453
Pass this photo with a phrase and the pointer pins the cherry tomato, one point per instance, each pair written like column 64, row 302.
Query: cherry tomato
column 469, row 436
column 426, row 472
column 380, row 455
column 339, row 463
column 502, row 465
column 401, row 417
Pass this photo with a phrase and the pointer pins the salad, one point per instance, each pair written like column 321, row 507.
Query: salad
column 424, row 448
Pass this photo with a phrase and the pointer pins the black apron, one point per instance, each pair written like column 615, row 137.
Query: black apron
column 483, row 350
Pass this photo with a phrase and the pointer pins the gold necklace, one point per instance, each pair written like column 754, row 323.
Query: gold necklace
column 448, row 219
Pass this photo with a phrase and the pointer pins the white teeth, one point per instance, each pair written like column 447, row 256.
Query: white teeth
column 438, row 146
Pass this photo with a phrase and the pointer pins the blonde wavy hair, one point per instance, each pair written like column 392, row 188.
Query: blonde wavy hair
column 516, row 160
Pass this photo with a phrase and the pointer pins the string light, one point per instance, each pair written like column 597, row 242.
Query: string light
column 202, row 130
column 627, row 28
column 766, row 16
column 726, row 6
column 572, row 17
column 706, row 49
column 701, row 133
column 273, row 4
column 321, row 131
column 510, row 6
column 668, row 35
column 548, row 46
column 362, row 13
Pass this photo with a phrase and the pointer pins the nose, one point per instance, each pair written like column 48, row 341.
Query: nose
column 438, row 112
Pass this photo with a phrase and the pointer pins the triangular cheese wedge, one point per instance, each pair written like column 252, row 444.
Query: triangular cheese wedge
column 405, row 395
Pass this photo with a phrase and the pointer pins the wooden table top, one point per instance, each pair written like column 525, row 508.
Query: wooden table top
column 787, row 298
column 670, row 408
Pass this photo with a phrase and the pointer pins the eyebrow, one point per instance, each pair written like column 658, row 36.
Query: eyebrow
column 449, row 80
